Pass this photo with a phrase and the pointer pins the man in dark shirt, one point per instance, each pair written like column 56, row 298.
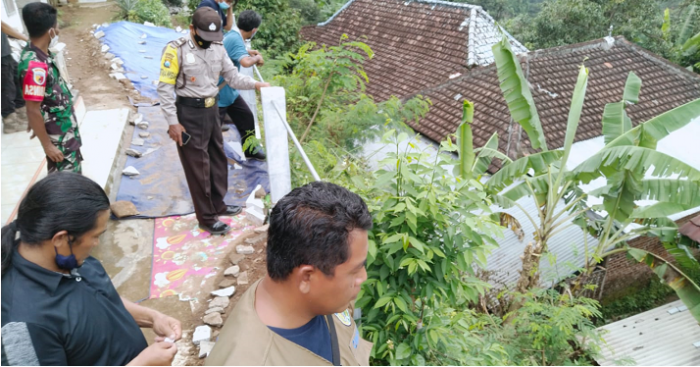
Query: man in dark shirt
column 14, row 114
column 300, row 312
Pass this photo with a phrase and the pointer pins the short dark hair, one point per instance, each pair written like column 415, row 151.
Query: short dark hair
column 39, row 18
column 311, row 225
column 248, row 20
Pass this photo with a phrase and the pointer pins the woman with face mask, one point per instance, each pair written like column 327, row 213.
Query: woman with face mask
column 225, row 10
column 59, row 306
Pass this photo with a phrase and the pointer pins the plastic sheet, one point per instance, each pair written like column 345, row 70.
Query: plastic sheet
column 161, row 190
column 141, row 60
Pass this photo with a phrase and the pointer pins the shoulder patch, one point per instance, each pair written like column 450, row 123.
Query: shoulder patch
column 169, row 66
column 34, row 83
column 344, row 317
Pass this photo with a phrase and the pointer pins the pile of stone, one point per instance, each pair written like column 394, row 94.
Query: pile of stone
column 233, row 277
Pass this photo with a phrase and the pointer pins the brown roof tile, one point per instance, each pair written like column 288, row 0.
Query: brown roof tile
column 691, row 229
column 552, row 78
column 418, row 43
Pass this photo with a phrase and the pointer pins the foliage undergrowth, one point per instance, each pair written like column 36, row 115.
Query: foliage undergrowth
column 140, row 11
column 423, row 301
column 634, row 301
column 330, row 113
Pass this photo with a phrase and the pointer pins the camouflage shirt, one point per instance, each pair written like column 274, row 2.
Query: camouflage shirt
column 42, row 82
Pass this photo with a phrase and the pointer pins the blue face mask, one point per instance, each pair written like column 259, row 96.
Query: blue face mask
column 66, row 262
column 224, row 5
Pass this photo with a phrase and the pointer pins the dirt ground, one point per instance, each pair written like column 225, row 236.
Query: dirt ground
column 126, row 248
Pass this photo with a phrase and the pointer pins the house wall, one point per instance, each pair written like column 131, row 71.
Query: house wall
column 623, row 273
column 11, row 14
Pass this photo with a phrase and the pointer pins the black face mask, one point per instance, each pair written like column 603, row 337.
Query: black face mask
column 202, row 43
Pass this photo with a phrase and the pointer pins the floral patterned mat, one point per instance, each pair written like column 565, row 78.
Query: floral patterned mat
column 184, row 256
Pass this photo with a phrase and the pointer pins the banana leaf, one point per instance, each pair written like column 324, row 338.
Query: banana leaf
column 649, row 133
column 538, row 162
column 615, row 119
column 686, row 289
column 465, row 141
column 516, row 91
column 610, row 160
column 486, row 155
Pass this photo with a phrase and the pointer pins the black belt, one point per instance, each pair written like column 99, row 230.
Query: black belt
column 197, row 102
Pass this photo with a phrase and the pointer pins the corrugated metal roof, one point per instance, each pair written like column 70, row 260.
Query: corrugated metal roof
column 664, row 336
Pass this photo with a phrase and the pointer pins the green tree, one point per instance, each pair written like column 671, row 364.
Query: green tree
column 682, row 37
column 563, row 22
column 279, row 32
column 624, row 162
column 329, row 111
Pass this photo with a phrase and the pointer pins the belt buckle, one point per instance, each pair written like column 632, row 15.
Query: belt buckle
column 208, row 102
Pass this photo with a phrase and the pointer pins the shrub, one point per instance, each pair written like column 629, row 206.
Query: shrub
column 140, row 11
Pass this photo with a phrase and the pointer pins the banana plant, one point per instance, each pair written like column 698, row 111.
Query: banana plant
column 624, row 162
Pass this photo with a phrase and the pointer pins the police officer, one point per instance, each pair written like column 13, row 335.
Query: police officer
column 299, row 314
column 190, row 70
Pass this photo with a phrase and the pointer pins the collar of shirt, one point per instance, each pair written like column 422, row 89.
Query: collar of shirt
column 44, row 277
column 40, row 54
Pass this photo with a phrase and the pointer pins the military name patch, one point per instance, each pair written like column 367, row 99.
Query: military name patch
column 344, row 317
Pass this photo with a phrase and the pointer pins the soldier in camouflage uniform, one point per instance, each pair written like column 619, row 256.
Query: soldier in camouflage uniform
column 49, row 101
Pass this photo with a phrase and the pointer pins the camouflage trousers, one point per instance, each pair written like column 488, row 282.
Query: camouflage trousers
column 72, row 162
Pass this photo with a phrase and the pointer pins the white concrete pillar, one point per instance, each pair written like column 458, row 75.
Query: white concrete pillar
column 276, row 141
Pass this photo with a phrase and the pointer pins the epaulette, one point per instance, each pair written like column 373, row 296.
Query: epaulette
column 218, row 42
column 179, row 42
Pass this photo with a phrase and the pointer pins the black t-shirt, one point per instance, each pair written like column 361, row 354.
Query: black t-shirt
column 6, row 50
column 50, row 318
column 313, row 336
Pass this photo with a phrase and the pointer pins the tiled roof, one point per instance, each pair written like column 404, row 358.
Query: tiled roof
column 691, row 229
column 552, row 75
column 418, row 44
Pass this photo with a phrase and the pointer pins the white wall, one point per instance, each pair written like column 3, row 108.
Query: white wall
column 14, row 19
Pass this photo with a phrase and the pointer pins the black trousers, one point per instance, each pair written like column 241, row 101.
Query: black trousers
column 242, row 117
column 204, row 161
column 11, row 92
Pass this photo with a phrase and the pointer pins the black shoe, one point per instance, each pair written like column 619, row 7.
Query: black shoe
column 232, row 210
column 216, row 228
column 225, row 127
column 258, row 156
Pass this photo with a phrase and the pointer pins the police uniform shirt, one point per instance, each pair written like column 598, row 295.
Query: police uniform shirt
column 191, row 71
column 246, row 341
column 51, row 318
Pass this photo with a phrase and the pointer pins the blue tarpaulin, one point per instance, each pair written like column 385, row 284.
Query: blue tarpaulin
column 139, row 59
column 161, row 190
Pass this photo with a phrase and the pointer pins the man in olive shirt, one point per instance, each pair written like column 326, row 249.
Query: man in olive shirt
column 300, row 313
column 190, row 70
